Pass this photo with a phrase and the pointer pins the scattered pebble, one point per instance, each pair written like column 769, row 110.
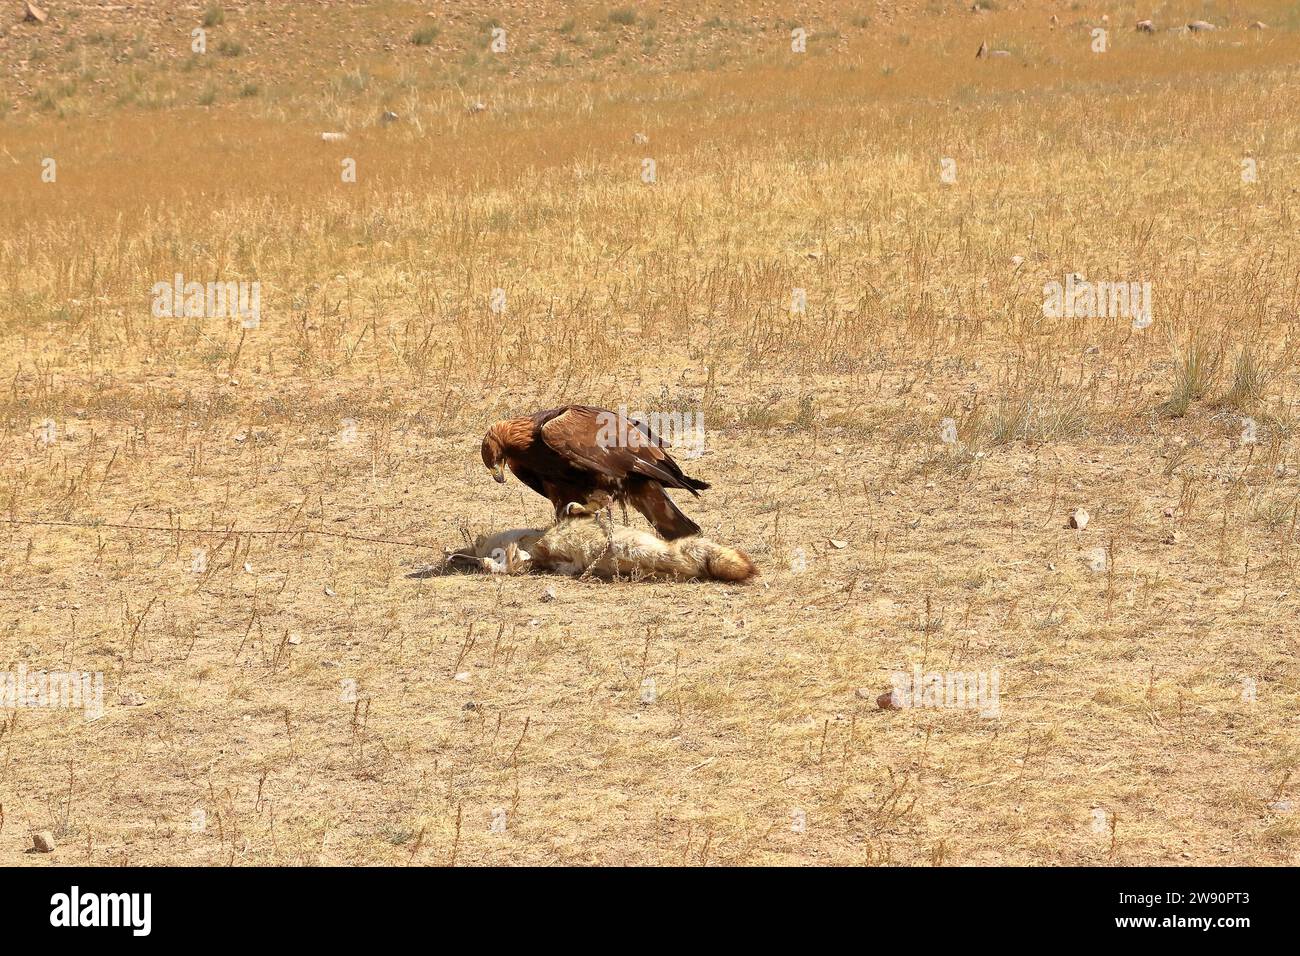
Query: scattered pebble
column 43, row 841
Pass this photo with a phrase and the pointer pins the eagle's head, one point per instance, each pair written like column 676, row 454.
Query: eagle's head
column 494, row 453
column 506, row 440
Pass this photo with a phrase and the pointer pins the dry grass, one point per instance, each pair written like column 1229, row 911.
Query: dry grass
column 1122, row 688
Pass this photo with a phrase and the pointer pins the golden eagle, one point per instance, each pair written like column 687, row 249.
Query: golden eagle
column 577, row 452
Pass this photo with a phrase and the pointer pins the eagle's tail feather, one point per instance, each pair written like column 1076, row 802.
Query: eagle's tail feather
column 661, row 511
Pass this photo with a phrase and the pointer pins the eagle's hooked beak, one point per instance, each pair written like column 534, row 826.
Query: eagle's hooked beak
column 498, row 472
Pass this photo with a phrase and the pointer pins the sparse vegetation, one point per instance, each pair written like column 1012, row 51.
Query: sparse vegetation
column 425, row 35
column 1195, row 373
column 1249, row 381
column 901, row 448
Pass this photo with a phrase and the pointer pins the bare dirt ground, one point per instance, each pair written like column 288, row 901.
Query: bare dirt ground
column 901, row 457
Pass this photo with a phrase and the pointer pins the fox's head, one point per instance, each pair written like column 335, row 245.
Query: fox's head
column 511, row 559
column 507, row 552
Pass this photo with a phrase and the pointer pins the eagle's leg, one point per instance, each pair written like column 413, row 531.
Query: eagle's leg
column 622, row 503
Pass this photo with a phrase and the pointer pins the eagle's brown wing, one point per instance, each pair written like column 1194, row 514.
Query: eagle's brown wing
column 587, row 440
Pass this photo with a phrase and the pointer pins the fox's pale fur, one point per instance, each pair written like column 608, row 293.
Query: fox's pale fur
column 584, row 542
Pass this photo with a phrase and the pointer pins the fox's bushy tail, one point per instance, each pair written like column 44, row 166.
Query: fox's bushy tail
column 700, row 557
